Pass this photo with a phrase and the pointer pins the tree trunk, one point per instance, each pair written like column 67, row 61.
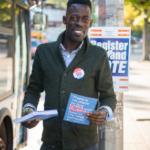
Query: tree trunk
column 145, row 39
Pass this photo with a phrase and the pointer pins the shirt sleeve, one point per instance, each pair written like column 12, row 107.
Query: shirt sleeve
column 35, row 86
column 29, row 105
column 105, row 84
column 110, row 112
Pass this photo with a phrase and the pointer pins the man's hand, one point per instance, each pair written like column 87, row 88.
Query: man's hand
column 30, row 124
column 97, row 117
column 2, row 145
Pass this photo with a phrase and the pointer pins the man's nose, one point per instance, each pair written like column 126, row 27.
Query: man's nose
column 79, row 22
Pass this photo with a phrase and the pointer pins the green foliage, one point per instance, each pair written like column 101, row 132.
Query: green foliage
column 137, row 33
column 5, row 13
column 141, row 5
column 144, row 7
column 149, row 28
column 58, row 3
column 134, row 13
column 130, row 14
column 95, row 12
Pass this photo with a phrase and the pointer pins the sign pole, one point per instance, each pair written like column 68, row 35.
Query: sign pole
column 111, row 14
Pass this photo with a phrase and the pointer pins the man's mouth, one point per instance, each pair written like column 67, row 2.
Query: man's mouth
column 78, row 32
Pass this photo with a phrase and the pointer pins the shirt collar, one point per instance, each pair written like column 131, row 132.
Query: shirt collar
column 74, row 51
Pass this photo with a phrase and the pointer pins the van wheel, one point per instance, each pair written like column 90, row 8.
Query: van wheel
column 3, row 134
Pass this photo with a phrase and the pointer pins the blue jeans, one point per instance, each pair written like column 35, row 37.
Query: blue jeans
column 46, row 147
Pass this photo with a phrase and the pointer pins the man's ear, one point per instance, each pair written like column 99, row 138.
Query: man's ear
column 64, row 19
column 91, row 22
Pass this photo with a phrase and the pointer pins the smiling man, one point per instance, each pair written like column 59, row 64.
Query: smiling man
column 53, row 69
column 77, row 20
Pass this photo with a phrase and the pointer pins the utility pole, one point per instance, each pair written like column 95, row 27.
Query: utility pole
column 111, row 14
column 145, row 48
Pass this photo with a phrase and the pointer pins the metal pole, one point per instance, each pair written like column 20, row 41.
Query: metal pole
column 111, row 13
column 42, row 6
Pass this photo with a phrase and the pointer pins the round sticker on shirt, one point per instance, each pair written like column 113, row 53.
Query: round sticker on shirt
column 78, row 73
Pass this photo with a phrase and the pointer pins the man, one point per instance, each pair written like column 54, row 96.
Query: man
column 53, row 69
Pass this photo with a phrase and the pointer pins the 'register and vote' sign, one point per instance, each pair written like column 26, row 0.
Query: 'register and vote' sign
column 116, row 41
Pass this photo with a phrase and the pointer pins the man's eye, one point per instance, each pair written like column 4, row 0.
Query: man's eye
column 86, row 19
column 74, row 18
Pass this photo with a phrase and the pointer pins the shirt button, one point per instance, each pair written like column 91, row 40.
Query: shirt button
column 58, row 143
column 63, row 92
column 64, row 126
column 65, row 74
column 62, row 110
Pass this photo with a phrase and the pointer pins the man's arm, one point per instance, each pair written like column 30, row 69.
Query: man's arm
column 107, row 96
column 35, row 86
column 34, row 89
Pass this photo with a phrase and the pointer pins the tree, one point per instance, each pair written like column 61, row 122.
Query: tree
column 130, row 15
column 144, row 7
column 5, row 14
column 58, row 3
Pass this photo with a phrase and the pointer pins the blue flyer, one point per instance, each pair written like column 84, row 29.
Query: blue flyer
column 78, row 107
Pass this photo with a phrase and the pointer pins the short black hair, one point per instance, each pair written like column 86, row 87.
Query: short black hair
column 84, row 2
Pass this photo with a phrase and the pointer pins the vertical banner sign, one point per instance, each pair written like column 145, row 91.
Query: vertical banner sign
column 116, row 41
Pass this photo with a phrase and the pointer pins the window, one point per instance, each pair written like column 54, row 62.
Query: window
column 21, row 51
column 6, row 63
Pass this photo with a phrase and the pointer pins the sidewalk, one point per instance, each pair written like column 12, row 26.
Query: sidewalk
column 137, row 105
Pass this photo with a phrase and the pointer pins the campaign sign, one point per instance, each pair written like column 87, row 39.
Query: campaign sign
column 78, row 107
column 117, row 50
column 116, row 41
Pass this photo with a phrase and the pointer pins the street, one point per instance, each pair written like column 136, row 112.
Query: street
column 136, row 109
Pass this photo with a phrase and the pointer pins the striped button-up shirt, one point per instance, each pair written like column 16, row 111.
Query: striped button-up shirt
column 68, row 57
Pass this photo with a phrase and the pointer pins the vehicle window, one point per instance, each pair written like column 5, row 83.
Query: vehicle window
column 6, row 63
column 34, row 43
column 5, row 14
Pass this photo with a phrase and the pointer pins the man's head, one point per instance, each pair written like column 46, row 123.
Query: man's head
column 78, row 19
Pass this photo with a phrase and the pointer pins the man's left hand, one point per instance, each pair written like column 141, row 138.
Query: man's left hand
column 97, row 117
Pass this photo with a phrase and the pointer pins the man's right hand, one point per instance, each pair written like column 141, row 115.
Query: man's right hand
column 30, row 124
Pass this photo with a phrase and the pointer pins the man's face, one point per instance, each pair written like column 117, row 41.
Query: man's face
column 78, row 21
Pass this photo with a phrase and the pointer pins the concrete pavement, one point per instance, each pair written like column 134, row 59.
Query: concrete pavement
column 137, row 105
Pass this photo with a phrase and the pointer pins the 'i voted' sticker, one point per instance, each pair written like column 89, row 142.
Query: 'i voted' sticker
column 78, row 73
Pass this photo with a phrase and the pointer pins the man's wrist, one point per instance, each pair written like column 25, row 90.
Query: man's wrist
column 110, row 112
column 107, row 113
column 29, row 105
column 27, row 110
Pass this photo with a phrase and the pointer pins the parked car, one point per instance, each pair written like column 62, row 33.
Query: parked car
column 34, row 45
column 134, row 40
